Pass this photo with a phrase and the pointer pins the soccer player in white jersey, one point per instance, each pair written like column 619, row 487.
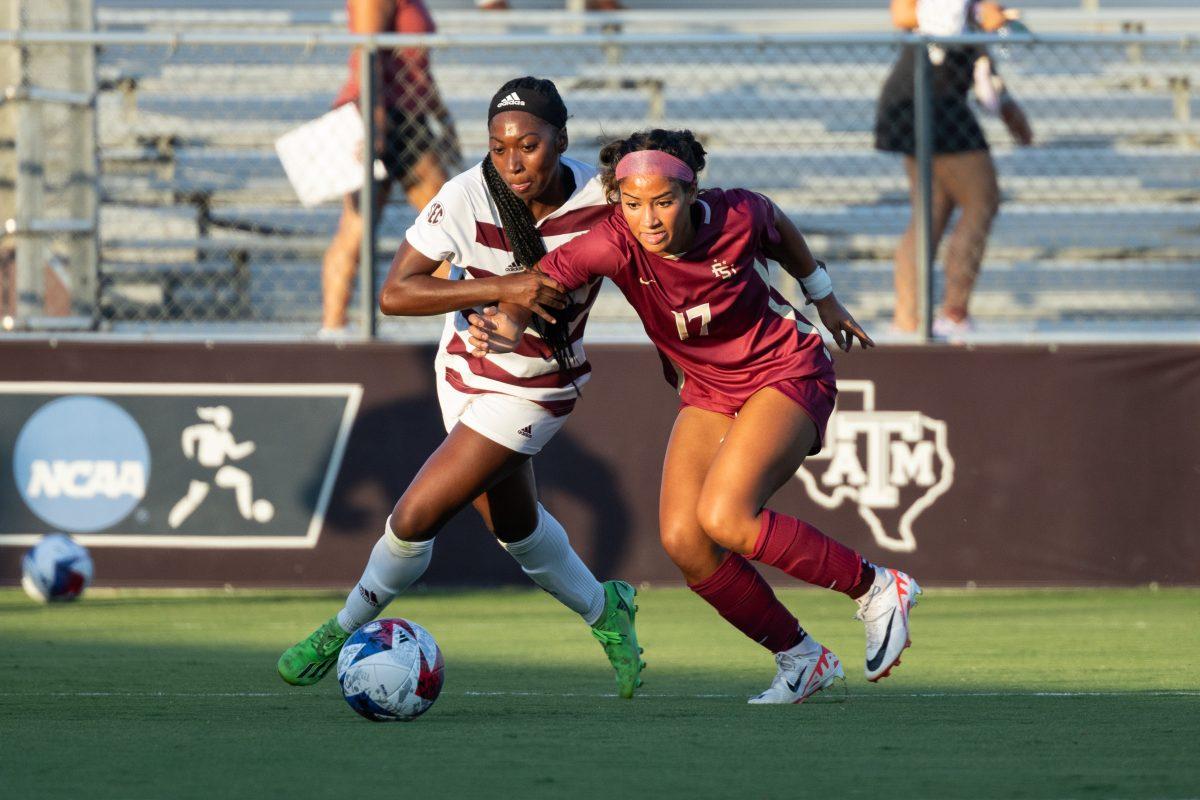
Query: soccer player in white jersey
column 491, row 223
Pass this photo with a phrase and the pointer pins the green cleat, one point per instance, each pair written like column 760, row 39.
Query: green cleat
column 306, row 662
column 618, row 637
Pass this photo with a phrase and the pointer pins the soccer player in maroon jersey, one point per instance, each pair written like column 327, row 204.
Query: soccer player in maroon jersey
column 757, row 388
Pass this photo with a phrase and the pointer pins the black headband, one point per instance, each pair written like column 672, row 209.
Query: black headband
column 531, row 101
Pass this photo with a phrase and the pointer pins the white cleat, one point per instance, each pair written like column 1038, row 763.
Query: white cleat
column 884, row 610
column 802, row 676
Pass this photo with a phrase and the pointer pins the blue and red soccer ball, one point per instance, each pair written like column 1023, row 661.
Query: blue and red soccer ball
column 57, row 568
column 391, row 669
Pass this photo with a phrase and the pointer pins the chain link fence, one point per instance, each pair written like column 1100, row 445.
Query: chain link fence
column 200, row 230
column 48, row 184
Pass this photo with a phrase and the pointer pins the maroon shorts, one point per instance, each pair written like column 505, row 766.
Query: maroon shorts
column 815, row 395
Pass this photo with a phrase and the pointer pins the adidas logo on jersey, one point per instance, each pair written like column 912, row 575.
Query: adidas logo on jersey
column 527, row 432
column 510, row 100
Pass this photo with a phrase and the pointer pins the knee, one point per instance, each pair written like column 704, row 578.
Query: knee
column 991, row 205
column 680, row 540
column 348, row 237
column 985, row 207
column 727, row 522
column 413, row 520
column 693, row 554
column 511, row 528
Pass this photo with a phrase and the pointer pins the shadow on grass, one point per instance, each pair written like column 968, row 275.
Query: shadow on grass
column 14, row 601
column 93, row 718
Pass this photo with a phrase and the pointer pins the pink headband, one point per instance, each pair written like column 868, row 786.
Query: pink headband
column 654, row 162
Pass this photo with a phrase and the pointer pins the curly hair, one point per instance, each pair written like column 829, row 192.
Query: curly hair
column 520, row 229
column 681, row 144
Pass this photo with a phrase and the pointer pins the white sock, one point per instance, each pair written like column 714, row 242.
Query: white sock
column 393, row 566
column 547, row 557
column 806, row 647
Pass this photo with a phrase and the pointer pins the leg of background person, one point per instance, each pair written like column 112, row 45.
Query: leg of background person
column 536, row 540
column 970, row 180
column 465, row 466
column 427, row 177
column 764, row 447
column 725, row 580
column 340, row 263
column 905, row 315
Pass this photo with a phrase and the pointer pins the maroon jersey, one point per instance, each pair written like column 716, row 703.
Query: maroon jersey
column 722, row 330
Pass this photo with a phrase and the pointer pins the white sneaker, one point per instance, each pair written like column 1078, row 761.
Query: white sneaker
column 884, row 610
column 953, row 332
column 801, row 676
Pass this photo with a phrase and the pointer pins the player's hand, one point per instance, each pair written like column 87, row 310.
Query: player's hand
column 540, row 293
column 493, row 332
column 1017, row 123
column 840, row 324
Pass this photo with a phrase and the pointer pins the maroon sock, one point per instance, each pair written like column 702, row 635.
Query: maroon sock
column 866, row 576
column 745, row 600
column 804, row 552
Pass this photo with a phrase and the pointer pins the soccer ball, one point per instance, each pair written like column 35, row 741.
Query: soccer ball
column 57, row 568
column 390, row 669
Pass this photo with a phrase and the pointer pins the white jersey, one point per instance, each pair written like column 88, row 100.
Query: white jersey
column 462, row 225
column 943, row 17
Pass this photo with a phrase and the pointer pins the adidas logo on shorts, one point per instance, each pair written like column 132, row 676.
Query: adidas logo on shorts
column 510, row 100
column 527, row 432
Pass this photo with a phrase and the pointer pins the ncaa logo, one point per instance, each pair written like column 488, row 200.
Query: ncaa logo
column 892, row 465
column 81, row 463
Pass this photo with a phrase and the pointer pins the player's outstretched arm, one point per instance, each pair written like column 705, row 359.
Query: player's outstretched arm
column 840, row 324
column 412, row 290
column 797, row 260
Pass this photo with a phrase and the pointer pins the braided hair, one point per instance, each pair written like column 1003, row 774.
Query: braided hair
column 681, row 144
column 521, row 229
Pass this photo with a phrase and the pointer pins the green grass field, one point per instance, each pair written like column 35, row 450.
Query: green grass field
column 1089, row 693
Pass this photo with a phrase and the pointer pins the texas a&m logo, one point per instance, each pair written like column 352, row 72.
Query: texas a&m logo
column 892, row 465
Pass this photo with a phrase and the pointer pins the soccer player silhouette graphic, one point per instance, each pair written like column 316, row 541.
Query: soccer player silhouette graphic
column 210, row 444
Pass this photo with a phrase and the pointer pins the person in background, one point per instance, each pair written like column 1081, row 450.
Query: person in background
column 414, row 137
column 964, row 175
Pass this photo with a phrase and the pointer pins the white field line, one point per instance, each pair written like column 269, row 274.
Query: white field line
column 661, row 695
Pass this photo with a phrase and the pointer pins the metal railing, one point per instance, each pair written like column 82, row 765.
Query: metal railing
column 199, row 233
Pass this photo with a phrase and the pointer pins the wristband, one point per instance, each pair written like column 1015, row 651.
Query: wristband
column 818, row 285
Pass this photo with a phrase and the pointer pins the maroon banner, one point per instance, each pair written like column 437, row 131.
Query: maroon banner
column 998, row 465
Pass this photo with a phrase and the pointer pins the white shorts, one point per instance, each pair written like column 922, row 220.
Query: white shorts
column 520, row 425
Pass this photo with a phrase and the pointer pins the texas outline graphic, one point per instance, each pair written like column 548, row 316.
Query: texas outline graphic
column 888, row 467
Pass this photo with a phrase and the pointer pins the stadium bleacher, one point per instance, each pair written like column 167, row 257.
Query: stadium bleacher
column 199, row 223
